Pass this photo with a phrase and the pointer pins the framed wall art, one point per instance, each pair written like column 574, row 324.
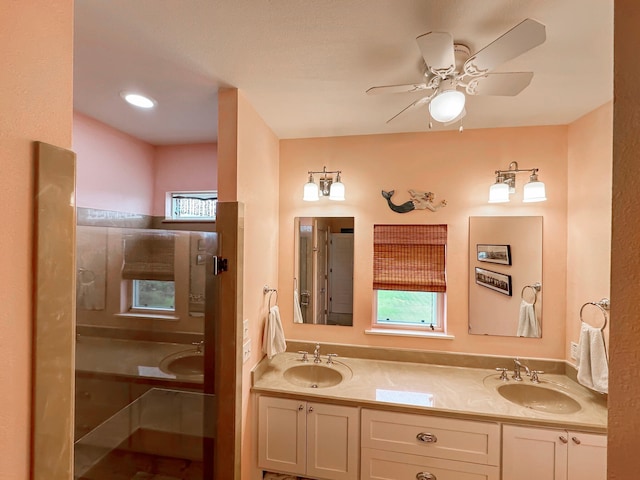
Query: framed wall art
column 494, row 253
column 499, row 282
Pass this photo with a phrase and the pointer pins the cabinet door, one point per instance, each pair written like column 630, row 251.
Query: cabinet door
column 533, row 453
column 587, row 456
column 332, row 441
column 281, row 435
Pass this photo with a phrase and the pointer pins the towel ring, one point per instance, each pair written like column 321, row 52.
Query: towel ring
column 535, row 287
column 603, row 305
column 270, row 291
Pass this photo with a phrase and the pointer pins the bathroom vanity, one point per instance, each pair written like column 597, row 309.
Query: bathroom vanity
column 378, row 419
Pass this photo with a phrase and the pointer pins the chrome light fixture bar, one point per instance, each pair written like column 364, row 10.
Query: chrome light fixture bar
column 534, row 190
column 327, row 186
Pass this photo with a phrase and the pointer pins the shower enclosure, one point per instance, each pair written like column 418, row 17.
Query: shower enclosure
column 145, row 336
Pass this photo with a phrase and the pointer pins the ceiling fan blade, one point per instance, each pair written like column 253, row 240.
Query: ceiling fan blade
column 519, row 39
column 437, row 50
column 413, row 87
column 457, row 119
column 503, row 84
column 417, row 103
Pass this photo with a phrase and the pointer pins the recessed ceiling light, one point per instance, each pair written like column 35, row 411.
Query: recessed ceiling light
column 138, row 100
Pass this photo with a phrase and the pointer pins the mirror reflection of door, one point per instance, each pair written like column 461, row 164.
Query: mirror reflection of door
column 324, row 269
column 321, row 267
column 341, row 279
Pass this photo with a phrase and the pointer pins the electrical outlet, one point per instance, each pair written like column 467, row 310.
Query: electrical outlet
column 245, row 329
column 574, row 351
column 246, row 351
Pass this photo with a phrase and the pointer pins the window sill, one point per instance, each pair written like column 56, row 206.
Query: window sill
column 408, row 333
column 148, row 316
column 188, row 220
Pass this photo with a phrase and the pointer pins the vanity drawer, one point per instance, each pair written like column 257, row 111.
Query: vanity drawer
column 384, row 465
column 424, row 435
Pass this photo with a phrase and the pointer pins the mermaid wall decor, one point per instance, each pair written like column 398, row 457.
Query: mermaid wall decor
column 419, row 201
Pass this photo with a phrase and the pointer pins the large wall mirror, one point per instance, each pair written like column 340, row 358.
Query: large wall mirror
column 505, row 276
column 323, row 276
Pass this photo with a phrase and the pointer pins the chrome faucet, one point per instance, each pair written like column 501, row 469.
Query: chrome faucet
column 518, row 365
column 199, row 346
column 316, row 354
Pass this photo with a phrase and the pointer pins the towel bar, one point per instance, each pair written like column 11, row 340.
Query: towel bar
column 266, row 289
column 535, row 287
column 603, row 305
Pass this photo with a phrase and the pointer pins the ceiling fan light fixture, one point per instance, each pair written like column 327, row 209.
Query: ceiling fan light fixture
column 447, row 105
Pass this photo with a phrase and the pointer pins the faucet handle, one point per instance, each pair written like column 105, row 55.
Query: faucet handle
column 503, row 373
column 304, row 355
column 198, row 346
column 330, row 358
column 534, row 375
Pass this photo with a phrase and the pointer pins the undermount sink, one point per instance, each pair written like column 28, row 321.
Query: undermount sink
column 539, row 398
column 187, row 363
column 313, row 376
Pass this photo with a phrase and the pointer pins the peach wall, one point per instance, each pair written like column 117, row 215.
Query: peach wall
column 115, row 171
column 257, row 187
column 588, row 218
column 456, row 167
column 36, row 50
column 624, row 388
column 183, row 167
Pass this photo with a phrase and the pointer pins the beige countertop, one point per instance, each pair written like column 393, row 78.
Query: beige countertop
column 128, row 358
column 434, row 389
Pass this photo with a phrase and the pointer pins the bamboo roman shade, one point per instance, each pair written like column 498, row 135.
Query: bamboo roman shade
column 148, row 256
column 409, row 257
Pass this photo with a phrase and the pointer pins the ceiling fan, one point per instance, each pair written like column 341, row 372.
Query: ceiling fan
column 451, row 72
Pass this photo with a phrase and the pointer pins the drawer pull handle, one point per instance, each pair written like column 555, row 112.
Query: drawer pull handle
column 576, row 440
column 427, row 438
column 563, row 439
column 425, row 476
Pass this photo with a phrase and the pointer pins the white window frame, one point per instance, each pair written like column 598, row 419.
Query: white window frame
column 170, row 205
column 141, row 309
column 440, row 320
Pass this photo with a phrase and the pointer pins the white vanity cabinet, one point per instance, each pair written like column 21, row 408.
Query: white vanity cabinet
column 531, row 453
column 313, row 439
column 407, row 446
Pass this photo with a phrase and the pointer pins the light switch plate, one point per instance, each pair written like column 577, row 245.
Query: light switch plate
column 574, row 351
column 246, row 351
column 245, row 329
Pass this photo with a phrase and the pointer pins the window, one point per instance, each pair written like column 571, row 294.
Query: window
column 192, row 205
column 409, row 277
column 153, row 295
column 149, row 268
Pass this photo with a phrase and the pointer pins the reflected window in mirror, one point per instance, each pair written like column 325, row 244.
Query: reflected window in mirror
column 323, row 276
column 409, row 277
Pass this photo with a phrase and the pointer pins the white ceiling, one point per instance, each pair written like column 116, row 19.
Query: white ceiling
column 305, row 65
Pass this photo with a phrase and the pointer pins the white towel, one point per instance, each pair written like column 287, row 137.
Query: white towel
column 528, row 325
column 273, row 341
column 297, row 312
column 593, row 366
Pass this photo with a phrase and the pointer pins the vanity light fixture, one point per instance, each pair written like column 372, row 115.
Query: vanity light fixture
column 138, row 100
column 534, row 190
column 327, row 188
